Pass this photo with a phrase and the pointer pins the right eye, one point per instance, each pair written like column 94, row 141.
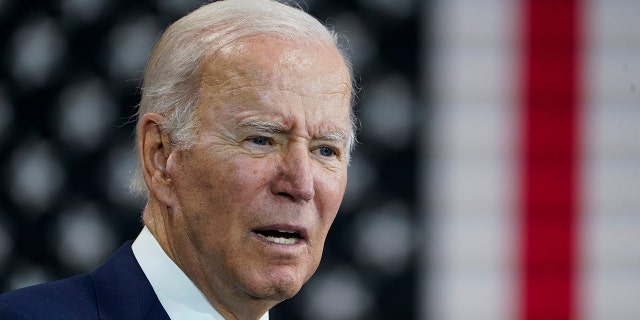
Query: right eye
column 261, row 141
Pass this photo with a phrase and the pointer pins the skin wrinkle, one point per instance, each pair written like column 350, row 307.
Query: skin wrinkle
column 265, row 100
column 217, row 192
column 338, row 138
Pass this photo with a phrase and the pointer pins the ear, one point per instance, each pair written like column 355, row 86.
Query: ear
column 155, row 152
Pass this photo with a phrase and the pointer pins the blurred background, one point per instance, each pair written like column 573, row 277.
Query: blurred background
column 497, row 173
column 70, row 72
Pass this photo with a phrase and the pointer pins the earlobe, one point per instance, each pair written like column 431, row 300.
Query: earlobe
column 155, row 153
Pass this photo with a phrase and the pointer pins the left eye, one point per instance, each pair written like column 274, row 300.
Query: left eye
column 326, row 151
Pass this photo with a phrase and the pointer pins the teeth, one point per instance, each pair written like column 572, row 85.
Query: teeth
column 282, row 240
column 286, row 237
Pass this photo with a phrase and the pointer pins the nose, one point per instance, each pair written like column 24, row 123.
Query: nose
column 295, row 179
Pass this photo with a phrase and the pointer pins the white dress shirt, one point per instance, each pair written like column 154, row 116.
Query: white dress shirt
column 180, row 297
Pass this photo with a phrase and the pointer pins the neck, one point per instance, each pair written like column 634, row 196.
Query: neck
column 230, row 302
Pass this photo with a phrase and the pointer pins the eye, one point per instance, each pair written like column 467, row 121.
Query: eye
column 261, row 141
column 326, row 151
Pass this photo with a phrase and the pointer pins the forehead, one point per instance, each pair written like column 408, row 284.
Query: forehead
column 267, row 72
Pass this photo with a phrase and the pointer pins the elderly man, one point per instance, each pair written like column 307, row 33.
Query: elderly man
column 244, row 134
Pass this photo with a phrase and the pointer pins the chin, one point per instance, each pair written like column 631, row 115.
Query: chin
column 279, row 287
column 280, row 293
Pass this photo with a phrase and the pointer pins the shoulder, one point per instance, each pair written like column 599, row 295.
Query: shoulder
column 71, row 298
column 118, row 289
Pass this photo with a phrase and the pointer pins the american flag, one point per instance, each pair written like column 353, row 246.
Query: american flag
column 498, row 174
column 532, row 189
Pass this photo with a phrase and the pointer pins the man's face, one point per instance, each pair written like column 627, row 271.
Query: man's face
column 256, row 195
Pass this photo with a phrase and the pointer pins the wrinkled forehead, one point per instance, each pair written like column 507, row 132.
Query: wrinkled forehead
column 280, row 63
column 296, row 85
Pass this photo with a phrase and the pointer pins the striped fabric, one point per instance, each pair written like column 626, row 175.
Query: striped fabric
column 533, row 187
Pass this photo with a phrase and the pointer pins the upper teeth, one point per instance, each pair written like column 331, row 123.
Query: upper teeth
column 282, row 240
column 284, row 237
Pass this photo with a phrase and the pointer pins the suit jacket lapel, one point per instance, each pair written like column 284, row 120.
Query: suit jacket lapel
column 123, row 291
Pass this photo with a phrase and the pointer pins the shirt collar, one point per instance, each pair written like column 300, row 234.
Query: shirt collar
column 178, row 295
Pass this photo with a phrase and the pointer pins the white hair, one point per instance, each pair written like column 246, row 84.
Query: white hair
column 170, row 80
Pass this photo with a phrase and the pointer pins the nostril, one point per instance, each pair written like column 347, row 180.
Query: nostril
column 284, row 194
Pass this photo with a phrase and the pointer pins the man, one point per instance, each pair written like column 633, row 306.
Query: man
column 244, row 134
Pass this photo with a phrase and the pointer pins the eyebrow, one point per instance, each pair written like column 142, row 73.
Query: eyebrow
column 264, row 126
column 271, row 127
column 337, row 137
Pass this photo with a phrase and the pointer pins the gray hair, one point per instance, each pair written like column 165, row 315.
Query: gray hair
column 170, row 81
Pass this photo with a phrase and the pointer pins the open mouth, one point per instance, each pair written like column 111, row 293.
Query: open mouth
column 280, row 236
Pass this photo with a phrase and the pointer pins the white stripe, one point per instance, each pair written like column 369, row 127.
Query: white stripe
column 610, row 237
column 469, row 190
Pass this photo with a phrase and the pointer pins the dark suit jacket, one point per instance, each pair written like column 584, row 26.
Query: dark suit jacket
column 116, row 290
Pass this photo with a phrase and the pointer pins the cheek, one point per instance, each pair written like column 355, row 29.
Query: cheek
column 204, row 185
column 216, row 199
column 330, row 193
column 245, row 176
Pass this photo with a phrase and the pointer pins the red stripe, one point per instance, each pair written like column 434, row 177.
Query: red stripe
column 549, row 186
